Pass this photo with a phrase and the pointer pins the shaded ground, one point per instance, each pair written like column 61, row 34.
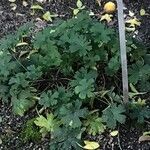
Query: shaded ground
column 10, row 131
column 10, row 20
column 11, row 125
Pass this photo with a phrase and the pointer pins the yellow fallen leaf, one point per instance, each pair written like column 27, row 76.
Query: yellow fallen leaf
column 133, row 22
column 106, row 17
column 47, row 16
column 142, row 12
column 133, row 89
column 141, row 102
column 22, row 53
column 32, row 52
column 36, row 7
column 21, row 44
column 114, row 133
column 79, row 4
column 90, row 145
column 144, row 138
column 75, row 11
column 146, row 133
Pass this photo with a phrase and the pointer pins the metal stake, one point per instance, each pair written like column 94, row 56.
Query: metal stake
column 122, row 39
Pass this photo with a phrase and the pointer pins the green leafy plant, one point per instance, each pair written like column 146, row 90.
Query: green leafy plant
column 79, row 7
column 48, row 124
column 139, row 72
column 22, row 102
column 66, row 138
column 71, row 114
column 94, row 124
column 49, row 99
column 85, row 88
column 67, row 75
column 139, row 111
column 113, row 114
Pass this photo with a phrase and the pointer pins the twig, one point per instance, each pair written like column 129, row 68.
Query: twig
column 40, row 111
column 104, row 81
column 65, row 79
column 19, row 62
column 37, row 111
column 119, row 140
column 147, row 122
column 107, row 102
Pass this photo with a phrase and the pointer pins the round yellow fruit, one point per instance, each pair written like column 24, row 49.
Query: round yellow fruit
column 110, row 7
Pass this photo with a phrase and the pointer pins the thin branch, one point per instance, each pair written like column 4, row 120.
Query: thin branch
column 119, row 140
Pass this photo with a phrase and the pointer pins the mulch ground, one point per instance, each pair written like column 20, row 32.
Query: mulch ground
column 11, row 125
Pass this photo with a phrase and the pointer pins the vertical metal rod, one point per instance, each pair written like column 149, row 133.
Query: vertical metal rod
column 122, row 39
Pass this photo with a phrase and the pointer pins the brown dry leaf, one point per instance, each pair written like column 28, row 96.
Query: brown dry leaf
column 107, row 17
column 9, row 131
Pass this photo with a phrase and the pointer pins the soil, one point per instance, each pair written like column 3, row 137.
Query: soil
column 10, row 20
column 11, row 125
column 11, row 128
column 127, row 139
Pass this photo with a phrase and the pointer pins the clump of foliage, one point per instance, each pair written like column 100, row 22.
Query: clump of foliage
column 64, row 70
column 30, row 132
